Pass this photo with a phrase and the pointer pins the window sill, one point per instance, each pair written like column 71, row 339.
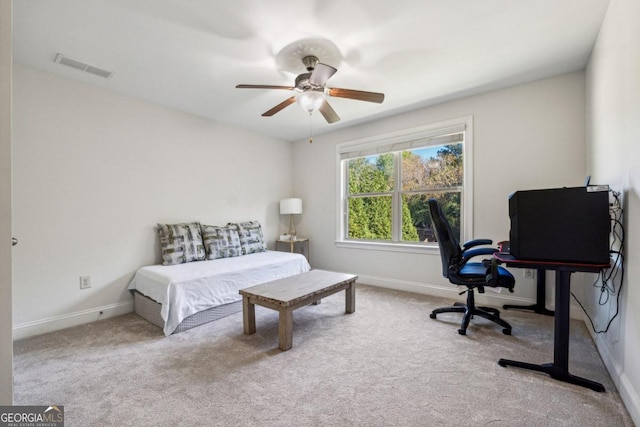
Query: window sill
column 388, row 247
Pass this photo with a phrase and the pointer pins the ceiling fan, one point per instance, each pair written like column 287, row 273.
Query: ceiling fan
column 311, row 90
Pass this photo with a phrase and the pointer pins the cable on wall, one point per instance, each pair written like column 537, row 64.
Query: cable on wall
column 610, row 281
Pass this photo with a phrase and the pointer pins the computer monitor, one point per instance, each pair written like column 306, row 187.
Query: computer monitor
column 561, row 224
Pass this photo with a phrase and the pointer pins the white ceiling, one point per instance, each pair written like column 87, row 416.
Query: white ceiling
column 190, row 54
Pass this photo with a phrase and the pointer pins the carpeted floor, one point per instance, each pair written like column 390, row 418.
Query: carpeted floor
column 387, row 364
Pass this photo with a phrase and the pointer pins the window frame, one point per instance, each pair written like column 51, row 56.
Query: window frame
column 381, row 144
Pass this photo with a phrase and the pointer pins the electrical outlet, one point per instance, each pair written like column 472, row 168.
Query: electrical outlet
column 528, row 273
column 85, row 282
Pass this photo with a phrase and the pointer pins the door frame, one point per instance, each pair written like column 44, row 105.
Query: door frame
column 6, row 316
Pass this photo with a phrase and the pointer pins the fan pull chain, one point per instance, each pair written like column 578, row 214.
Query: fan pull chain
column 310, row 128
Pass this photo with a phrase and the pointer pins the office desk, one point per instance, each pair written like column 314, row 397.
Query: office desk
column 541, row 297
column 559, row 368
column 541, row 289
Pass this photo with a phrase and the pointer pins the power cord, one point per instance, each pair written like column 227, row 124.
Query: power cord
column 607, row 279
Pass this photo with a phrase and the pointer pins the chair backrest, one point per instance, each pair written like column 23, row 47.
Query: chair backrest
column 450, row 251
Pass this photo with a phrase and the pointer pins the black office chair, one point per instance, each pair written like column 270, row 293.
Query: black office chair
column 474, row 275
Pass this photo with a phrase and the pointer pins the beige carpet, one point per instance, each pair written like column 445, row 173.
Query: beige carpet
column 388, row 364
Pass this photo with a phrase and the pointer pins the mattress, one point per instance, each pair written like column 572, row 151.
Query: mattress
column 183, row 290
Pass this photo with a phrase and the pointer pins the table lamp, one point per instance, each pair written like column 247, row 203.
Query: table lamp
column 291, row 207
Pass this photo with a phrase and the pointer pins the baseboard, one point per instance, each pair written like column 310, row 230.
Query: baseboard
column 55, row 323
column 490, row 297
column 629, row 394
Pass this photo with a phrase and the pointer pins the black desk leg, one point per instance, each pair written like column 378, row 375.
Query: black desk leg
column 559, row 369
column 541, row 296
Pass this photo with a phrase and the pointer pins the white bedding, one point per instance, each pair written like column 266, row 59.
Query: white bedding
column 185, row 289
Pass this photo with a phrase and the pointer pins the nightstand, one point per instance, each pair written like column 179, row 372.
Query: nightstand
column 299, row 246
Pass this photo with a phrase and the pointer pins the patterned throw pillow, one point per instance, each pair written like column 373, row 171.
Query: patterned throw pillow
column 250, row 236
column 181, row 243
column 221, row 242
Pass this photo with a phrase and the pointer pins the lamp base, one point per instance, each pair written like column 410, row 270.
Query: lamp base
column 292, row 226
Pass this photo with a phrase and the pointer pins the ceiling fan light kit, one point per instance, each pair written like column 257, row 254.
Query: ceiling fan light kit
column 311, row 88
column 310, row 101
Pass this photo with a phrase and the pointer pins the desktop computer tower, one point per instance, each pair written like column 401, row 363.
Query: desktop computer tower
column 569, row 225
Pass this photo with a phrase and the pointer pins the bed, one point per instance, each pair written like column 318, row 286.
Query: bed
column 179, row 297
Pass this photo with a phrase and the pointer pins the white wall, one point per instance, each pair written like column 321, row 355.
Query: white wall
column 94, row 171
column 527, row 136
column 6, row 343
column 613, row 143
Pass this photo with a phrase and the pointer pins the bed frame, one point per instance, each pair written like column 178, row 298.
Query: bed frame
column 149, row 309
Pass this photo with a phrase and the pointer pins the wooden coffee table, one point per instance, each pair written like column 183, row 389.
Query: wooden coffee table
column 290, row 293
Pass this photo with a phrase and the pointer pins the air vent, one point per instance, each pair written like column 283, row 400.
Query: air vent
column 82, row 66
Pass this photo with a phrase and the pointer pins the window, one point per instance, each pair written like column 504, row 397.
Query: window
column 385, row 183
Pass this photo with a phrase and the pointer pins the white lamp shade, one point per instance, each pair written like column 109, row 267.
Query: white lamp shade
column 310, row 100
column 290, row 206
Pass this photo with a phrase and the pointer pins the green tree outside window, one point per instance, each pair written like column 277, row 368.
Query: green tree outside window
column 425, row 173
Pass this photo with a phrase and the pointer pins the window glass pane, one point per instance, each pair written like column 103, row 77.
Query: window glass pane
column 418, row 226
column 370, row 218
column 432, row 167
column 418, row 219
column 387, row 182
column 371, row 174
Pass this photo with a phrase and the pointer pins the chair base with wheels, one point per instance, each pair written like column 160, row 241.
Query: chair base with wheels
column 470, row 309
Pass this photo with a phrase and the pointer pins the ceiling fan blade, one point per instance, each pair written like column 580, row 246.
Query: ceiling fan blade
column 321, row 73
column 264, row 87
column 328, row 113
column 279, row 107
column 359, row 95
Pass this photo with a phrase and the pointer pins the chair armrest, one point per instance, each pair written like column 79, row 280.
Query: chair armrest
column 471, row 253
column 476, row 242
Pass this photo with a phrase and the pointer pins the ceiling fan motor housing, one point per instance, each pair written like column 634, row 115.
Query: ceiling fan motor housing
column 303, row 84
